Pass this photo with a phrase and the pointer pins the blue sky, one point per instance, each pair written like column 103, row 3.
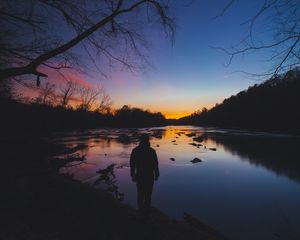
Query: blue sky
column 191, row 73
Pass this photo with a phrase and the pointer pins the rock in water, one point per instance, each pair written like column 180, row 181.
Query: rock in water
column 196, row 160
column 172, row 159
column 190, row 134
column 193, row 144
column 198, row 139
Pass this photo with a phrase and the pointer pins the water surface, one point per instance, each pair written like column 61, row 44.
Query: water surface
column 247, row 185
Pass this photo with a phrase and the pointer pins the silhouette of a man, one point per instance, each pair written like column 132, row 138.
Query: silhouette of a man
column 144, row 170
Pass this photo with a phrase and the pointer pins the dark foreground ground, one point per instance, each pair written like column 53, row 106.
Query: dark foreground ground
column 38, row 203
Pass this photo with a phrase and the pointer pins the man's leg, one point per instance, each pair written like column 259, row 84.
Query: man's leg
column 140, row 196
column 148, row 193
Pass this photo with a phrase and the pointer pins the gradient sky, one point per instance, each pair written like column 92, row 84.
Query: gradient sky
column 191, row 74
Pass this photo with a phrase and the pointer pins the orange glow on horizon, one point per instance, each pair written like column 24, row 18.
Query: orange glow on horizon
column 176, row 115
column 171, row 107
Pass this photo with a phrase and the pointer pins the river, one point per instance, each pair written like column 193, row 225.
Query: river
column 247, row 185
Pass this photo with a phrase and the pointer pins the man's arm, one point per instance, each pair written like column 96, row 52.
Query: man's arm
column 133, row 165
column 156, row 168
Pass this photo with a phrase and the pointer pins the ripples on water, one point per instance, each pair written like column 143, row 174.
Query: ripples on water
column 247, row 185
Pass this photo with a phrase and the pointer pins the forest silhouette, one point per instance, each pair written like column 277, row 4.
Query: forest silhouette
column 43, row 119
column 272, row 105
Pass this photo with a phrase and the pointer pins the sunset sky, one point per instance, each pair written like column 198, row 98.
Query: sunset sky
column 191, row 73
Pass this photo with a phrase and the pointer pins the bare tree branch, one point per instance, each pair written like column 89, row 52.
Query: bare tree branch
column 86, row 22
column 225, row 9
column 88, row 96
column 67, row 91
column 283, row 19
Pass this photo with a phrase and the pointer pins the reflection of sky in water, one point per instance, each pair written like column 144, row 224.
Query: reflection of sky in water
column 226, row 191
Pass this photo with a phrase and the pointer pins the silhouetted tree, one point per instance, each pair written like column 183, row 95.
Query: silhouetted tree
column 67, row 90
column 136, row 117
column 88, row 96
column 204, row 110
column 280, row 18
column 44, row 33
column 104, row 103
column 272, row 105
column 7, row 91
column 47, row 94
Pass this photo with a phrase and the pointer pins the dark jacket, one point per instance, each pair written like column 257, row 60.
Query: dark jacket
column 144, row 163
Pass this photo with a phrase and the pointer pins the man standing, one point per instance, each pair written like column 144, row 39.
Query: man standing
column 144, row 170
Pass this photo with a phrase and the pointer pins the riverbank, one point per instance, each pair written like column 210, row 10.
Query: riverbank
column 20, row 118
column 39, row 203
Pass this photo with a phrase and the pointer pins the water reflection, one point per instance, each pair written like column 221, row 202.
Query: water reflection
column 246, row 184
column 278, row 154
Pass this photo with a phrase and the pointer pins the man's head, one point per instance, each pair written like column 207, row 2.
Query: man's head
column 144, row 139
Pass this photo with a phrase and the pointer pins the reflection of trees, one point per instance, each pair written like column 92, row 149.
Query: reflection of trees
column 133, row 136
column 278, row 154
column 105, row 143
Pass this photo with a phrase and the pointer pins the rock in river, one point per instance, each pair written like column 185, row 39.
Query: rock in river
column 196, row 160
column 198, row 139
column 190, row 134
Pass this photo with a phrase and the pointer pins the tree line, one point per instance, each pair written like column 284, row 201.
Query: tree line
column 271, row 105
column 68, row 106
column 68, row 94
